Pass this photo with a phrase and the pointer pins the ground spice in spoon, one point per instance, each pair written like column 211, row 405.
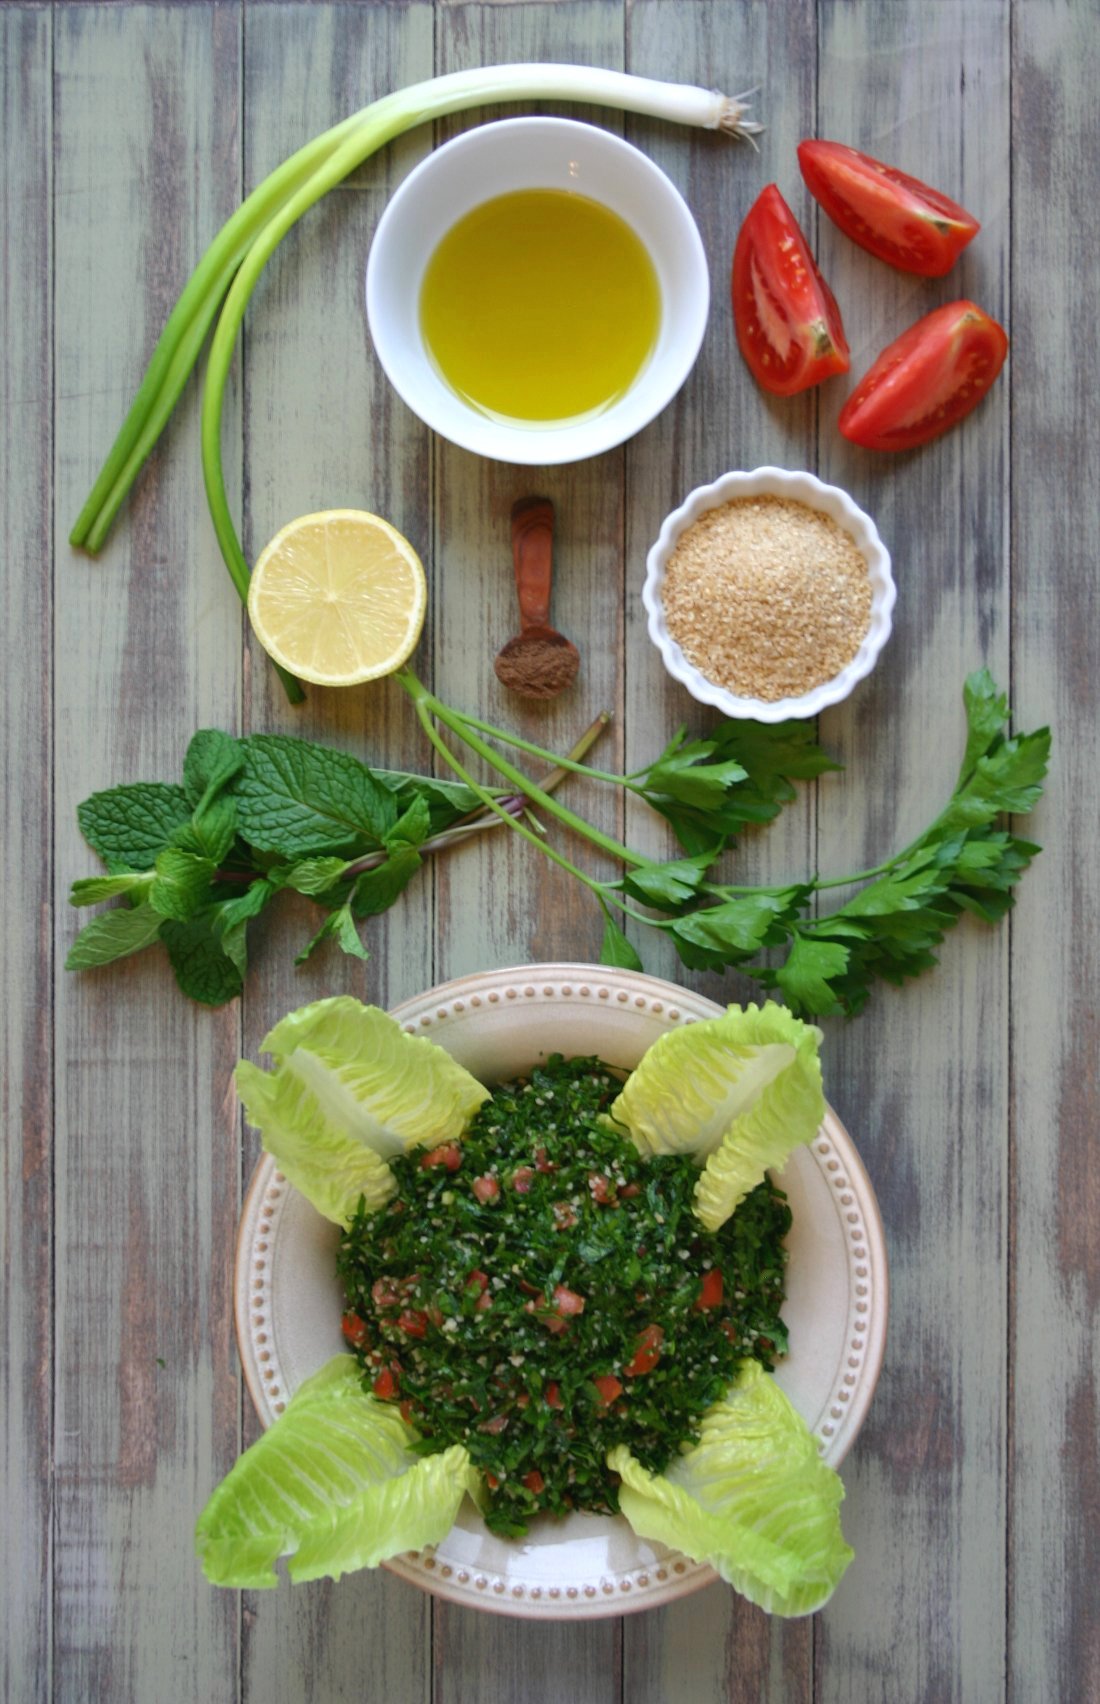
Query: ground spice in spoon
column 767, row 597
column 542, row 669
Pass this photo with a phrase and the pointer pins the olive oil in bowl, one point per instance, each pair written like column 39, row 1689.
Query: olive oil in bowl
column 540, row 307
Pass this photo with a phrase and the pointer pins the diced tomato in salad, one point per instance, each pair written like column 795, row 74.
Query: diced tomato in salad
column 647, row 1352
column 448, row 1155
column 608, row 1388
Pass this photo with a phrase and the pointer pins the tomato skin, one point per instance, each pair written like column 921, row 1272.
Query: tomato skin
column 448, row 1154
column 386, row 1385
column 608, row 1389
column 710, row 1296
column 647, row 1352
column 927, row 380
column 568, row 1301
column 355, row 1331
column 788, row 325
column 896, row 217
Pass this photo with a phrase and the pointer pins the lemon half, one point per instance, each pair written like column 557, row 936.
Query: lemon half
column 338, row 597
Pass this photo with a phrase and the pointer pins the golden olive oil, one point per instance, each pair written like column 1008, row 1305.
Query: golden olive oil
column 540, row 306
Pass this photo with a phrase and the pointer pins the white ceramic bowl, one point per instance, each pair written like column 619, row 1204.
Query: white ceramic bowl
column 497, row 159
column 802, row 488
column 498, row 1024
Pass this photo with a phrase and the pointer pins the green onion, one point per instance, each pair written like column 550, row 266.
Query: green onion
column 233, row 262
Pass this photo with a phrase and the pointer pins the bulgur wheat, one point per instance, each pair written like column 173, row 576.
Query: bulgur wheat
column 767, row 597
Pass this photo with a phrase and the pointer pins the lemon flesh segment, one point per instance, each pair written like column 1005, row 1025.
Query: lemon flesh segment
column 338, row 598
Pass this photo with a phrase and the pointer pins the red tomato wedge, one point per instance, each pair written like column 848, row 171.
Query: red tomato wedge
column 895, row 216
column 926, row 381
column 788, row 325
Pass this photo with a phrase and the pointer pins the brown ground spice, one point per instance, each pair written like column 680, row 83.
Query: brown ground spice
column 767, row 597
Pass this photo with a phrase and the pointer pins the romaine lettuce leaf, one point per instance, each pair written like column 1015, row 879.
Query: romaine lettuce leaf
column 752, row 1497
column 349, row 1089
column 740, row 1091
column 332, row 1485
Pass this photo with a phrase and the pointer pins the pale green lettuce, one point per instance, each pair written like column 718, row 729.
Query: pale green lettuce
column 333, row 1486
column 741, row 1092
column 752, row 1497
column 350, row 1089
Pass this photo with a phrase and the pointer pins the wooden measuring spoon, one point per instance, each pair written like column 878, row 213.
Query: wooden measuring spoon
column 539, row 662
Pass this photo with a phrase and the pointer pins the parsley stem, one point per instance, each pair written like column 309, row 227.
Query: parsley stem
column 459, row 726
column 424, row 714
column 519, row 744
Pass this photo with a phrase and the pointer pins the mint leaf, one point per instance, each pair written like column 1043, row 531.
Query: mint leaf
column 412, row 827
column 213, row 759
column 447, row 801
column 241, row 909
column 234, row 945
column 296, row 798
column 377, row 889
column 806, row 975
column 212, row 830
column 204, row 971
column 128, row 826
column 615, row 948
column 182, row 883
column 339, row 925
column 113, row 935
column 315, row 875
column 93, row 889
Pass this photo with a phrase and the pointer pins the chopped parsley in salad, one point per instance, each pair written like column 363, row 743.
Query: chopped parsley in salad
column 541, row 1293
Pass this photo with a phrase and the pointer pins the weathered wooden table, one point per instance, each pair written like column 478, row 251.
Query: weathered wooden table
column 131, row 132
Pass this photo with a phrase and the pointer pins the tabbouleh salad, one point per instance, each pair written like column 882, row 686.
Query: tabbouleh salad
column 540, row 1292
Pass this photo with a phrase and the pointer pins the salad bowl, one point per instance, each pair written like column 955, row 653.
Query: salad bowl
column 498, row 1024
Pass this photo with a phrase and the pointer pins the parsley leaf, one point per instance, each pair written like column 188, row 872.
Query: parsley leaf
column 616, row 949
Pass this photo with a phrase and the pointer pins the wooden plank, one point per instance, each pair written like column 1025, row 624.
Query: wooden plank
column 719, row 421
column 536, row 912
column 146, row 1154
column 714, row 1645
column 1054, row 1459
column 921, row 1078
column 323, row 429
column 26, row 1079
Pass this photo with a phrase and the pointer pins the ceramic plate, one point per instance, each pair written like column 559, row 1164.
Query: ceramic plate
column 499, row 1024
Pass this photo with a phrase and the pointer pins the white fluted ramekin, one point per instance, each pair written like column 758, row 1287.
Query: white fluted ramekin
column 797, row 487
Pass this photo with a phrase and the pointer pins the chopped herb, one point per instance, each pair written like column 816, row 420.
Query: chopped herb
column 552, row 1294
